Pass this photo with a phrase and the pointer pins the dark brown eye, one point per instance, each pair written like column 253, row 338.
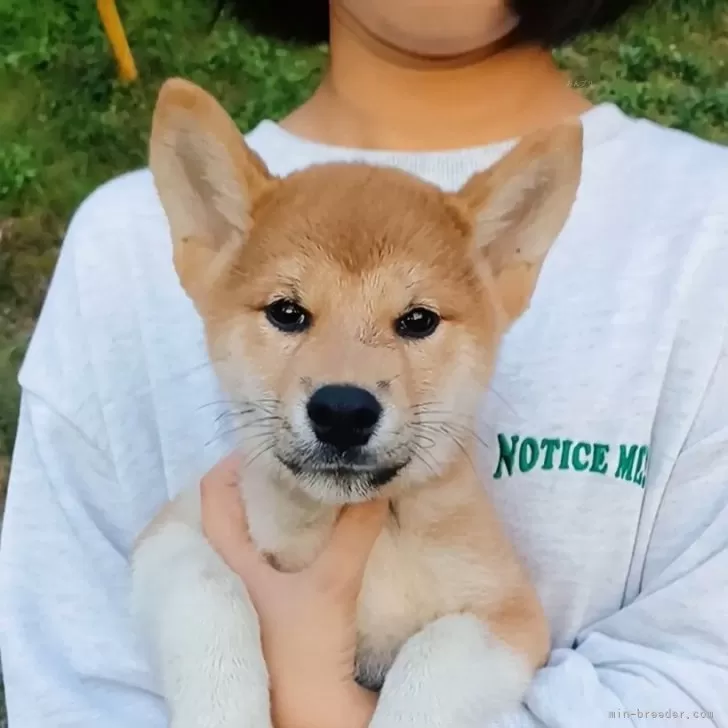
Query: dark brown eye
column 288, row 316
column 417, row 323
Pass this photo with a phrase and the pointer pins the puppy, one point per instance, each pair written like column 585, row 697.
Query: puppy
column 353, row 314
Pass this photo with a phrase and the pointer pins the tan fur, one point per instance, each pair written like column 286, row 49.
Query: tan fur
column 357, row 246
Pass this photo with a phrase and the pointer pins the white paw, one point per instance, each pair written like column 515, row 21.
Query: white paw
column 203, row 630
column 453, row 673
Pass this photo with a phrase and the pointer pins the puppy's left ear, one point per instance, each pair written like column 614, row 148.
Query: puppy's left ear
column 519, row 206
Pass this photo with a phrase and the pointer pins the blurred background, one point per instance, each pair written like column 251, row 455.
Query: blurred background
column 67, row 123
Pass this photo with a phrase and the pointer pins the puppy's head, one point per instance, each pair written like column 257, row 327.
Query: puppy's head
column 353, row 313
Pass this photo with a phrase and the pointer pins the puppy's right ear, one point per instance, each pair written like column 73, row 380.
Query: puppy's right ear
column 207, row 180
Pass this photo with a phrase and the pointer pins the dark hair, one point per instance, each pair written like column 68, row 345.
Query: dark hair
column 549, row 23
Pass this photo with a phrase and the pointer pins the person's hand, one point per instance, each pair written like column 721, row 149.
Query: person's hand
column 307, row 619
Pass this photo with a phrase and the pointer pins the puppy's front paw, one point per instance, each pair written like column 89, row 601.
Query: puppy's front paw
column 453, row 673
column 203, row 632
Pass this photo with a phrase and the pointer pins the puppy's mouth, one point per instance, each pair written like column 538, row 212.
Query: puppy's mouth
column 349, row 474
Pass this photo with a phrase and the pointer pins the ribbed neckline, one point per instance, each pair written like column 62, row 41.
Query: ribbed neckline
column 286, row 152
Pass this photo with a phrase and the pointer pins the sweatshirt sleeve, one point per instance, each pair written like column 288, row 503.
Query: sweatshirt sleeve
column 70, row 657
column 69, row 653
column 662, row 660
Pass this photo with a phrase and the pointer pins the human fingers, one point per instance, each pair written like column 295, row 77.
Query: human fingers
column 342, row 562
column 224, row 521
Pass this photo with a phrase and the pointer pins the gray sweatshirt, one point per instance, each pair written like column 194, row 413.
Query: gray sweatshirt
column 605, row 440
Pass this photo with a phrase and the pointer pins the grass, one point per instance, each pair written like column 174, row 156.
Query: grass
column 66, row 125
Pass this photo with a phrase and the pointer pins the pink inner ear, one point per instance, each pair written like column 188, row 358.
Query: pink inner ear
column 221, row 171
column 525, row 200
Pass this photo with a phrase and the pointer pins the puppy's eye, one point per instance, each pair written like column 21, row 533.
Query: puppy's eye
column 288, row 316
column 417, row 323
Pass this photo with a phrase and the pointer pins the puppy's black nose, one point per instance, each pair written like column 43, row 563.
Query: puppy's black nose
column 343, row 416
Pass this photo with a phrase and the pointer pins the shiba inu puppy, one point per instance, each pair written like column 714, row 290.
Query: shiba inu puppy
column 353, row 315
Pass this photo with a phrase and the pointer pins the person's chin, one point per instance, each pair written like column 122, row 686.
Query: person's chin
column 449, row 47
column 444, row 49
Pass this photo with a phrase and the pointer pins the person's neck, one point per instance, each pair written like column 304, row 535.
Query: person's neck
column 374, row 97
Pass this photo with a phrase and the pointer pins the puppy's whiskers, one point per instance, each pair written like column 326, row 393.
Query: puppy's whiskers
column 420, row 453
column 437, row 419
column 206, row 364
column 432, row 421
column 259, row 415
column 266, row 447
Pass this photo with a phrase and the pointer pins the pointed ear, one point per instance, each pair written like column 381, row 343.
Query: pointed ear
column 206, row 177
column 520, row 205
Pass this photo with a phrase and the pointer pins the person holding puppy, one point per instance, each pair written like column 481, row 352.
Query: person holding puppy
column 606, row 435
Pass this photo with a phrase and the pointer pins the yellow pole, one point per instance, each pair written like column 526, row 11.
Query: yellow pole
column 117, row 38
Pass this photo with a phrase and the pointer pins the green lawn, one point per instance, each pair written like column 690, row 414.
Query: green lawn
column 66, row 125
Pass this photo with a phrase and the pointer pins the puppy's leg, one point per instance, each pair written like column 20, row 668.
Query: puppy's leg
column 203, row 630
column 452, row 674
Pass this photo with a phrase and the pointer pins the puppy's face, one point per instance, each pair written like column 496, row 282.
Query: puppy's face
column 354, row 329
column 353, row 313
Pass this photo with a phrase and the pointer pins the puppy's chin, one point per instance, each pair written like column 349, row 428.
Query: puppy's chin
column 340, row 485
